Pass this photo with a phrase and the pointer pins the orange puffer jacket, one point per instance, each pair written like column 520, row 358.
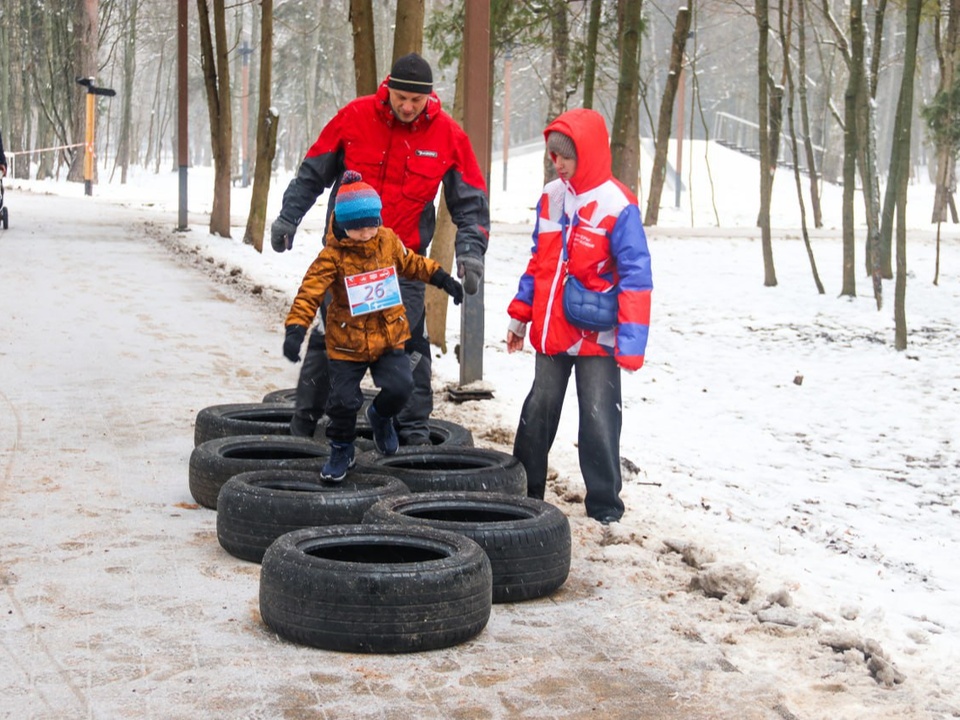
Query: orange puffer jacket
column 363, row 338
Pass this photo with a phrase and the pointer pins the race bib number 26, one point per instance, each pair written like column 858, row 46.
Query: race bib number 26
column 371, row 291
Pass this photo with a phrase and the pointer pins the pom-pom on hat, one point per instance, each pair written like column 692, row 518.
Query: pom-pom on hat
column 560, row 144
column 358, row 205
column 411, row 73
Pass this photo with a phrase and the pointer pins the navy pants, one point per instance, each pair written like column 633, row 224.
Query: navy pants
column 391, row 373
column 313, row 385
column 601, row 417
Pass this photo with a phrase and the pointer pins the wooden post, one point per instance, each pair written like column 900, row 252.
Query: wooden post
column 88, row 148
column 476, row 122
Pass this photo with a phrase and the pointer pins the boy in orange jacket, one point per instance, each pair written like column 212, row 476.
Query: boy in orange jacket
column 366, row 324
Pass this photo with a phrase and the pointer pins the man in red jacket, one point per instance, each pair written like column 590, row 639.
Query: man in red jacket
column 405, row 146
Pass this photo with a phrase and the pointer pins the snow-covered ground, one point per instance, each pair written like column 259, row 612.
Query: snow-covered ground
column 778, row 450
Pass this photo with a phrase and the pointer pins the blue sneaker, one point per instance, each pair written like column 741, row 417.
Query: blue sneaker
column 341, row 460
column 384, row 434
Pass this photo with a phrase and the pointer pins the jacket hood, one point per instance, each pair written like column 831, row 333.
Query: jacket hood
column 588, row 130
column 430, row 111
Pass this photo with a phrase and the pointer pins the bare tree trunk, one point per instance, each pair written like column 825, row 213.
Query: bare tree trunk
column 216, row 75
column 364, row 47
column 155, row 115
column 681, row 29
column 86, row 39
column 560, row 37
column 590, row 64
column 16, row 33
column 788, row 73
column 812, row 170
column 902, row 143
column 625, row 138
column 766, row 155
column 945, row 152
column 408, row 29
column 267, row 121
column 129, row 69
column 850, row 149
column 866, row 153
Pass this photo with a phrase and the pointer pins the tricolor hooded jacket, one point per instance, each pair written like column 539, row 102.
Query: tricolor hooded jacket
column 606, row 249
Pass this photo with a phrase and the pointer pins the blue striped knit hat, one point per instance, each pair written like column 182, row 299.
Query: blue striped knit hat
column 358, row 205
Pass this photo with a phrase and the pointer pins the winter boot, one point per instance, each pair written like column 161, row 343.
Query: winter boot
column 384, row 434
column 341, row 460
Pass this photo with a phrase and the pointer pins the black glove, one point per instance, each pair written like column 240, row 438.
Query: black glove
column 443, row 280
column 281, row 234
column 293, row 341
column 470, row 268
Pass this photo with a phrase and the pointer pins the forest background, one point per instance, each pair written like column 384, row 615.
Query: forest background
column 861, row 93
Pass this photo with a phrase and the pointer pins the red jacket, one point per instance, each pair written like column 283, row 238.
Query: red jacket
column 606, row 247
column 405, row 163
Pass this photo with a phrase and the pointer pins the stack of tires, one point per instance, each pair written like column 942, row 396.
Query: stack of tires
column 408, row 553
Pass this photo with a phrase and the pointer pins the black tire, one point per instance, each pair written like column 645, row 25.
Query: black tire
column 214, row 462
column 219, row 421
column 442, row 433
column 255, row 508
column 526, row 540
column 289, row 395
column 375, row 589
column 450, row 469
column 5, row 218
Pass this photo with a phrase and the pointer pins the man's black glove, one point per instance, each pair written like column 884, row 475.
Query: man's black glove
column 281, row 234
column 293, row 341
column 443, row 280
column 470, row 269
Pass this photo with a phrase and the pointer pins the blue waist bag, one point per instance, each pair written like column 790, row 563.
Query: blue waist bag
column 589, row 309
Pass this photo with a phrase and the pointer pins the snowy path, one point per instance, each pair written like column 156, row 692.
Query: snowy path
column 119, row 603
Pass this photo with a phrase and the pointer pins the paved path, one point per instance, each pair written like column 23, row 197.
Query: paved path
column 116, row 601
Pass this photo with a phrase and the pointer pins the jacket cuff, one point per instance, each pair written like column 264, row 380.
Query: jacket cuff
column 517, row 328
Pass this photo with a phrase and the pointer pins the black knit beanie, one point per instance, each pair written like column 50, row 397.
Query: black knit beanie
column 411, row 73
column 560, row 144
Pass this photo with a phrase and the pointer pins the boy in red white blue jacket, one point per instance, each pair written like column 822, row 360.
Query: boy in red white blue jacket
column 589, row 227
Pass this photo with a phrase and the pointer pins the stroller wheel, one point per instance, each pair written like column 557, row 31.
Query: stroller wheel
column 4, row 218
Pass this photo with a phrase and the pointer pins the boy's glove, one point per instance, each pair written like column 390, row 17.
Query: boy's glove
column 281, row 234
column 293, row 341
column 443, row 280
column 470, row 268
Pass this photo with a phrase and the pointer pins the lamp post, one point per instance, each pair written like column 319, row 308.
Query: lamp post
column 476, row 122
column 88, row 153
column 183, row 147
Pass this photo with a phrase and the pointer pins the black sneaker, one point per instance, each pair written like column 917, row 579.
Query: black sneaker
column 341, row 460
column 384, row 434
